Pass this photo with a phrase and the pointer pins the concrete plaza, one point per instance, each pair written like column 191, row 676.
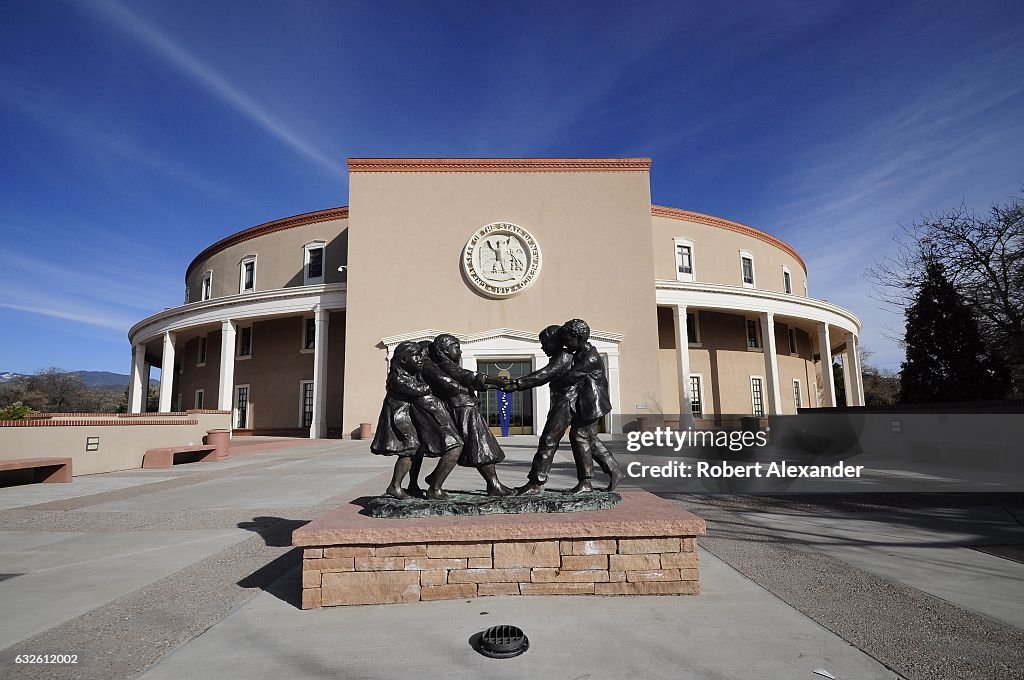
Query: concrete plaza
column 188, row 572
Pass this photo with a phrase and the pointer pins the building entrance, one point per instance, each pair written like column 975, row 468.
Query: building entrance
column 518, row 406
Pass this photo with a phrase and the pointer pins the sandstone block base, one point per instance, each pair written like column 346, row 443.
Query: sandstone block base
column 646, row 546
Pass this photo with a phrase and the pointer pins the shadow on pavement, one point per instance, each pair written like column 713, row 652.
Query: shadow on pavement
column 280, row 576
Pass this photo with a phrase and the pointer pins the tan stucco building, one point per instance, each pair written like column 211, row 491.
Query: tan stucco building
column 685, row 308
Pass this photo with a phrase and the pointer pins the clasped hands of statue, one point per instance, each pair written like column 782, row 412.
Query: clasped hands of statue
column 504, row 384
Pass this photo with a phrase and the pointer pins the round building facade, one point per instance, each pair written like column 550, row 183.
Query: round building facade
column 700, row 320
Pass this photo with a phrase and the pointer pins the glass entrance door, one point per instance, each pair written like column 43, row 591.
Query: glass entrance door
column 518, row 405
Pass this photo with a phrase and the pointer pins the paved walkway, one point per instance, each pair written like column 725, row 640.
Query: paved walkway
column 188, row 572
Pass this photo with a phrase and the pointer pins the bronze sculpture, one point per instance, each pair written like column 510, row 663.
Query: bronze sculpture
column 458, row 387
column 412, row 422
column 432, row 410
column 579, row 399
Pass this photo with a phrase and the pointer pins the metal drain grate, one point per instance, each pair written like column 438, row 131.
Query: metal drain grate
column 503, row 642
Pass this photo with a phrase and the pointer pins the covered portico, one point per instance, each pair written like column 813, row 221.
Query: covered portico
column 830, row 330
column 158, row 339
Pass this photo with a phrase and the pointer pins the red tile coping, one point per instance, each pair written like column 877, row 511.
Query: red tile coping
column 96, row 422
column 499, row 165
column 103, row 414
column 641, row 514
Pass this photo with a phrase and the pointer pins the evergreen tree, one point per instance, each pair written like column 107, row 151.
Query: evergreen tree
column 946, row 358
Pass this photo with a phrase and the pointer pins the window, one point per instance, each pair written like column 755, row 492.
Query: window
column 796, row 393
column 201, row 356
column 692, row 329
column 313, row 262
column 753, row 334
column 696, row 397
column 245, row 342
column 247, row 274
column 306, row 403
column 207, row 286
column 308, row 334
column 177, row 403
column 787, row 279
column 792, row 342
column 747, row 269
column 684, row 259
column 242, row 406
column 200, row 402
column 757, row 395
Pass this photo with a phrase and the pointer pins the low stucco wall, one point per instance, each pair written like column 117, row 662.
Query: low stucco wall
column 122, row 439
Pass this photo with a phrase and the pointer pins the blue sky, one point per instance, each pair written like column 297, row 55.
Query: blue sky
column 133, row 134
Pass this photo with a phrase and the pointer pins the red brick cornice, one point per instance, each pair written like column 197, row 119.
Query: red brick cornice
column 95, row 422
column 499, row 165
column 701, row 218
column 269, row 228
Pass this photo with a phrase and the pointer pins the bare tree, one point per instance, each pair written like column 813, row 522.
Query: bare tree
column 982, row 256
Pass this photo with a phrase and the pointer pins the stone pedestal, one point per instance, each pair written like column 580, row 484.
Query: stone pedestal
column 645, row 546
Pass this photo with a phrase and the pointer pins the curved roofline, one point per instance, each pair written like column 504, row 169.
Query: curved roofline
column 341, row 212
column 710, row 220
column 338, row 213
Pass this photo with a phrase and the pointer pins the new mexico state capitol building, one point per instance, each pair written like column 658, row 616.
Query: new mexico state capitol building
column 291, row 323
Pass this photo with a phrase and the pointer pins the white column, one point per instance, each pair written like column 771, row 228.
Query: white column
column 683, row 348
column 852, row 374
column 613, row 393
column 135, row 402
column 167, row 373
column 828, row 386
column 319, row 427
column 771, row 361
column 225, row 392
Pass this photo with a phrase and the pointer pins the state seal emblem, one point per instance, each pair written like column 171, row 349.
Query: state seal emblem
column 501, row 259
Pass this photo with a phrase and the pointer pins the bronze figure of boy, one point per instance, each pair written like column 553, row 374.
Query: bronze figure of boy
column 579, row 399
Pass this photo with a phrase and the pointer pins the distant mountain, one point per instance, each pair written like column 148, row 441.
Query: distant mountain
column 103, row 379
column 99, row 379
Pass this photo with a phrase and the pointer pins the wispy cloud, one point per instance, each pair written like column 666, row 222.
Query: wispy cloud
column 74, row 312
column 106, row 281
column 186, row 63
column 101, row 140
column 944, row 139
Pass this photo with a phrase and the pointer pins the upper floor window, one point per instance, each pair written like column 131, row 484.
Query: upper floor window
column 247, row 274
column 245, row 341
column 787, row 280
column 792, row 342
column 747, row 269
column 313, row 262
column 207, row 286
column 684, row 259
column 201, row 356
